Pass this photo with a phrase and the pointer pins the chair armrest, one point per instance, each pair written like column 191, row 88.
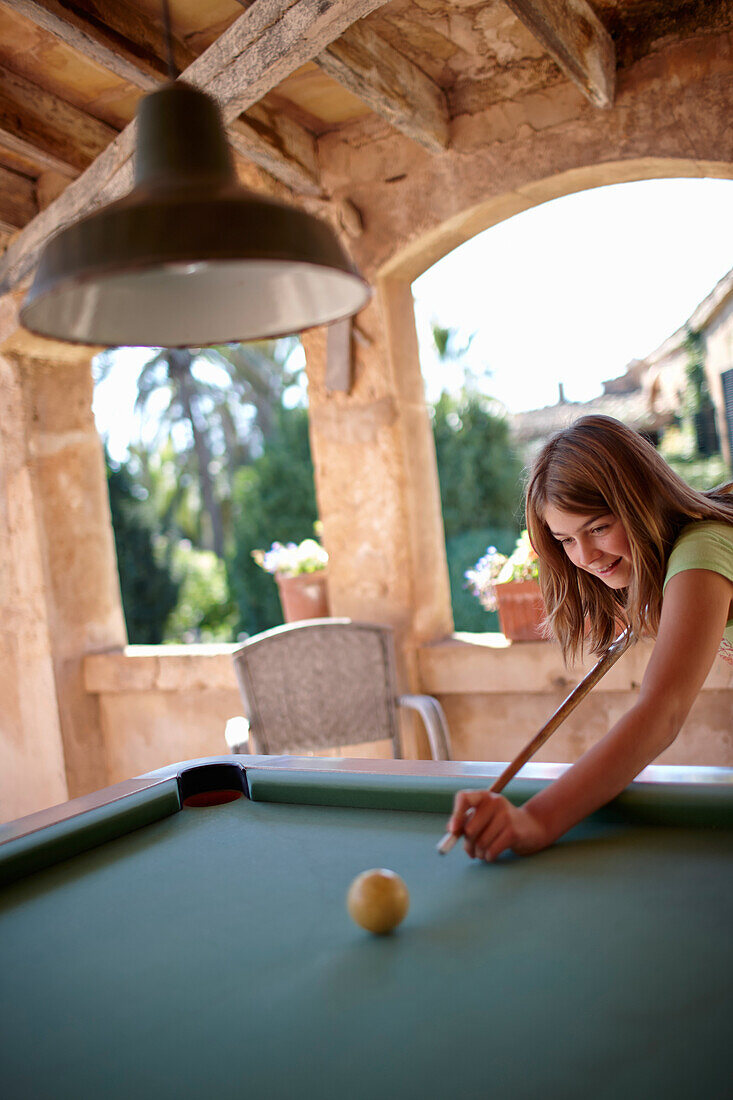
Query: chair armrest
column 236, row 733
column 434, row 720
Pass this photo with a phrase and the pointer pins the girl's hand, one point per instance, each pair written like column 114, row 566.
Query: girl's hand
column 491, row 825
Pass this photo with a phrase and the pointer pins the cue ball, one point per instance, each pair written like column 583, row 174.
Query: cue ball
column 378, row 900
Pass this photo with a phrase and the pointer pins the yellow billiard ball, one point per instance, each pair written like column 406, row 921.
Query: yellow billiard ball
column 378, row 900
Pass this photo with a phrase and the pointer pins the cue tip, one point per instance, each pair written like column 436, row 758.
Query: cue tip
column 448, row 842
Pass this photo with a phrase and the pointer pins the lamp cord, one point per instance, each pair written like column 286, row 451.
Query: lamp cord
column 172, row 70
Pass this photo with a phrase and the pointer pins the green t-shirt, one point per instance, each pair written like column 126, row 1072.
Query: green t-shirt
column 706, row 545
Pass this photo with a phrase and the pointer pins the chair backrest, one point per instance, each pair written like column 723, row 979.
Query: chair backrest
column 319, row 683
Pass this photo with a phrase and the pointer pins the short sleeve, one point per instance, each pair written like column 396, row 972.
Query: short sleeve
column 705, row 545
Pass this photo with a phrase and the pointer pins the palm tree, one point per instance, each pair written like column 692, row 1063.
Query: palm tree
column 261, row 372
column 451, row 346
column 216, row 404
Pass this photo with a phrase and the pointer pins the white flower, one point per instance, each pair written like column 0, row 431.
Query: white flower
column 495, row 568
column 289, row 560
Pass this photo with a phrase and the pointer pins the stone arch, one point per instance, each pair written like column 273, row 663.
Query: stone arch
column 671, row 116
column 373, row 449
column 405, row 534
column 415, row 257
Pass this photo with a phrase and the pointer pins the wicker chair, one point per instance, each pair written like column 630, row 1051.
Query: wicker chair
column 322, row 683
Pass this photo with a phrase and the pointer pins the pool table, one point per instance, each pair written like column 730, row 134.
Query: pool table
column 157, row 943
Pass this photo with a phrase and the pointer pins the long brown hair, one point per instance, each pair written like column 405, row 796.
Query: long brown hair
column 594, row 466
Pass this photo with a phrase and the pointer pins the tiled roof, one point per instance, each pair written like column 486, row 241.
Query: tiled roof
column 631, row 408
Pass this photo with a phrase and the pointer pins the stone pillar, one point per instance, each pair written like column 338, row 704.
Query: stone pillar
column 32, row 772
column 430, row 589
column 377, row 485
column 63, row 588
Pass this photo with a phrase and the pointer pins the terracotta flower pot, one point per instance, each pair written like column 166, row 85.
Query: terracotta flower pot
column 304, row 596
column 521, row 610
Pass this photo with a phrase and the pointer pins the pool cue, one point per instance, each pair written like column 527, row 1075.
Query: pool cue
column 576, row 696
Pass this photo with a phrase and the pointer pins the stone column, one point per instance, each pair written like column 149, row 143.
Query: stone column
column 32, row 772
column 377, row 485
column 63, row 588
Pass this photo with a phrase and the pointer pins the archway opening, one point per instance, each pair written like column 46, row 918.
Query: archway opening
column 617, row 299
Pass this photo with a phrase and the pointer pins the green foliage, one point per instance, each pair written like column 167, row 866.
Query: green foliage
column 679, row 449
column 215, row 407
column 205, row 611
column 481, row 488
column 451, row 344
column 463, row 552
column 149, row 591
column 441, row 336
column 699, row 410
column 170, row 481
column 480, row 473
column 697, row 396
column 273, row 500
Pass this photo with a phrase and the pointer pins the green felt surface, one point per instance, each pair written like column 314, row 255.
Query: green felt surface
column 65, row 839
column 210, row 954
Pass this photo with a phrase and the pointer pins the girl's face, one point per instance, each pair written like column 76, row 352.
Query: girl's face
column 595, row 543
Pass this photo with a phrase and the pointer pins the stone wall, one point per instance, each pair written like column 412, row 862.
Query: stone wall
column 163, row 704
column 497, row 695
column 32, row 766
column 671, row 117
column 59, row 597
column 372, row 449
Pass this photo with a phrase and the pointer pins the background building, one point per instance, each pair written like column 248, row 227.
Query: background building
column 690, row 375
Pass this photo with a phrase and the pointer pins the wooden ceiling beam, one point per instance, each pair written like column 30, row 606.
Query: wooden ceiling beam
column 575, row 38
column 390, row 85
column 131, row 61
column 124, row 26
column 288, row 154
column 39, row 119
column 279, row 145
column 20, row 147
column 17, row 200
column 266, row 44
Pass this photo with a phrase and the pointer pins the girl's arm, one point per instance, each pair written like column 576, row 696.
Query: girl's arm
column 694, row 614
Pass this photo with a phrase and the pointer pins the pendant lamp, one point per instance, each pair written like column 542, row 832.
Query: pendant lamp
column 189, row 257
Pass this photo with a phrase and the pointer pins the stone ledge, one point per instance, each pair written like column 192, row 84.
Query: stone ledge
column 459, row 665
column 161, row 668
column 487, row 663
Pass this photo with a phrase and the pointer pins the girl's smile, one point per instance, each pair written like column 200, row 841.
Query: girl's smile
column 595, row 543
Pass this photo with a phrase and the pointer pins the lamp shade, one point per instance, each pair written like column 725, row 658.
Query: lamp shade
column 189, row 257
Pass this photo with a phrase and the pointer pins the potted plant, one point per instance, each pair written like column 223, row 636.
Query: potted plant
column 510, row 586
column 300, row 572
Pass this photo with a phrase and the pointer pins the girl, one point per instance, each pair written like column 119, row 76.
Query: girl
column 622, row 540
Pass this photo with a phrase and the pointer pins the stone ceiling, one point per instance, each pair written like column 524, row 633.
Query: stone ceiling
column 288, row 74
